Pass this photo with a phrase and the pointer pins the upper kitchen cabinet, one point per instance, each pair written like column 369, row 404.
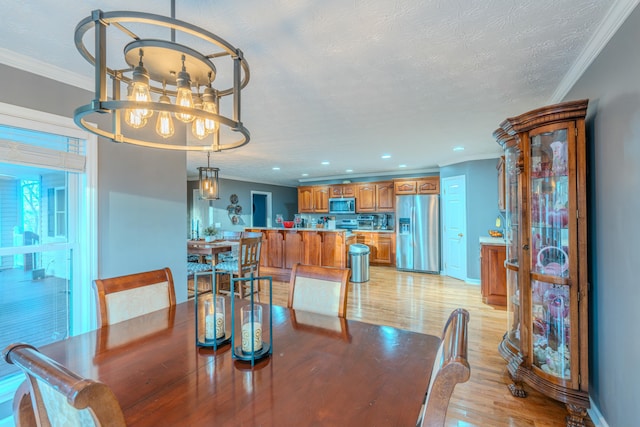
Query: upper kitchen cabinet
column 342, row 190
column 375, row 197
column 546, row 345
column 313, row 199
column 427, row 185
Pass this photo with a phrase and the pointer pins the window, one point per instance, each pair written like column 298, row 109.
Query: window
column 47, row 237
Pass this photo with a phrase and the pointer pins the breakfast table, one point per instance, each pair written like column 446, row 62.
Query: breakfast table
column 324, row 371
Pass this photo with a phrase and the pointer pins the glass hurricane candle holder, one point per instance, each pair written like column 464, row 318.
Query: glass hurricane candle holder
column 210, row 315
column 251, row 337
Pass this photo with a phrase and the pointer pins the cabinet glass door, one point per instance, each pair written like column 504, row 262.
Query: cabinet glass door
column 549, row 221
column 512, row 238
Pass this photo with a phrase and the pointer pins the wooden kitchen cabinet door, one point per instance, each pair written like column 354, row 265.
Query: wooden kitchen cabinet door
column 321, row 199
column 366, row 198
column 305, row 199
column 385, row 195
column 430, row 185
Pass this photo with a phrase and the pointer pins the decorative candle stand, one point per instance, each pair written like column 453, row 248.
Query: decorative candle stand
column 210, row 314
column 248, row 340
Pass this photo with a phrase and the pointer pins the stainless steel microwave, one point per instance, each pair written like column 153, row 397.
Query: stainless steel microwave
column 343, row 205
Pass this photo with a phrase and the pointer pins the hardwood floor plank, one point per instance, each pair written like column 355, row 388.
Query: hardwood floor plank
column 422, row 303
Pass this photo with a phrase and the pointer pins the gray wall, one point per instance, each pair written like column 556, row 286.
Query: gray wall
column 612, row 84
column 482, row 204
column 284, row 199
column 141, row 192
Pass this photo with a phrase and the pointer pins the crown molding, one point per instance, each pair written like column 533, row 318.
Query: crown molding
column 615, row 17
column 43, row 69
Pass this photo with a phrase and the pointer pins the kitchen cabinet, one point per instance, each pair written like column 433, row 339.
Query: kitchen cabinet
column 546, row 344
column 342, row 190
column 493, row 275
column 375, row 197
column 381, row 245
column 313, row 199
column 282, row 248
column 426, row 185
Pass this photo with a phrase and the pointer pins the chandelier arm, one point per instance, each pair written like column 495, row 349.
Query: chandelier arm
column 82, row 112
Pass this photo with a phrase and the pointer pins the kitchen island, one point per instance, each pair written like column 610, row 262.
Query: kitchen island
column 282, row 248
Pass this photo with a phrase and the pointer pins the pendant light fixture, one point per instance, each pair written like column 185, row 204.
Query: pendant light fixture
column 155, row 64
column 208, row 178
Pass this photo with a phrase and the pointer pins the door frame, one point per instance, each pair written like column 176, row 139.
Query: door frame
column 463, row 248
column 269, row 208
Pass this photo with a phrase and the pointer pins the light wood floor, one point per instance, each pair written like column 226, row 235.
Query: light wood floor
column 422, row 303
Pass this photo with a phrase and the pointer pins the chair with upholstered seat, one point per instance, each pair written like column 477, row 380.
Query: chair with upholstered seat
column 450, row 367
column 52, row 395
column 247, row 262
column 319, row 289
column 123, row 297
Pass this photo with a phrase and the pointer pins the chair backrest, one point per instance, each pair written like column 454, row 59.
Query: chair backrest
column 123, row 297
column 450, row 367
column 231, row 235
column 319, row 289
column 249, row 254
column 60, row 397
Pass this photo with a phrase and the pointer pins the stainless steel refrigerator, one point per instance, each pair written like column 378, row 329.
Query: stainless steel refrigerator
column 418, row 233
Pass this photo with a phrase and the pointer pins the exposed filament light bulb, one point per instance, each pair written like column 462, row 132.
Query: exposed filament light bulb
column 140, row 88
column 184, row 98
column 198, row 125
column 209, row 105
column 164, row 124
column 133, row 116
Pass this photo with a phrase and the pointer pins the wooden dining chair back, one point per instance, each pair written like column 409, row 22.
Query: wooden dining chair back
column 58, row 396
column 319, row 289
column 246, row 262
column 450, row 367
column 123, row 297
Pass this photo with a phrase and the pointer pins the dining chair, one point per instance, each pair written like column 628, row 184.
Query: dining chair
column 123, row 297
column 52, row 395
column 319, row 289
column 245, row 263
column 450, row 367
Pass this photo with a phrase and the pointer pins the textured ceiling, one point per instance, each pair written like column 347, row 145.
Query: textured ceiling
column 348, row 81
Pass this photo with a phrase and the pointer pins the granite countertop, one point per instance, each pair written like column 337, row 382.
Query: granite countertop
column 488, row 240
column 337, row 230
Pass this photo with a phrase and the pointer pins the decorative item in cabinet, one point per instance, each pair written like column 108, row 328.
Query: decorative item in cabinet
column 546, row 345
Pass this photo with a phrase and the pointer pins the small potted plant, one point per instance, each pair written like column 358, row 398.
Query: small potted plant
column 210, row 233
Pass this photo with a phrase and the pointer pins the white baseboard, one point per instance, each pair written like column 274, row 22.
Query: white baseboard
column 596, row 416
column 472, row 281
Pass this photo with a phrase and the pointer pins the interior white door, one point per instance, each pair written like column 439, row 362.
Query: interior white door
column 455, row 226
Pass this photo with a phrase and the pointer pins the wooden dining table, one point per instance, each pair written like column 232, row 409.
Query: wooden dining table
column 323, row 371
column 202, row 248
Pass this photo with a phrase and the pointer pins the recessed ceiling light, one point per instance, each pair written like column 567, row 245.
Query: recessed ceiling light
column 349, row 170
column 305, row 174
column 458, row 148
column 386, row 156
column 325, row 163
column 402, row 166
column 275, row 168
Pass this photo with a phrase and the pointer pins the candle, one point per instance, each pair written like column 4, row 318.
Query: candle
column 246, row 337
column 214, row 325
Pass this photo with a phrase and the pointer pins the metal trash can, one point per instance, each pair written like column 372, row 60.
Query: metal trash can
column 359, row 261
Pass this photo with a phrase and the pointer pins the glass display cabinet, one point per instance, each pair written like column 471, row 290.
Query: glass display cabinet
column 510, row 346
column 546, row 343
